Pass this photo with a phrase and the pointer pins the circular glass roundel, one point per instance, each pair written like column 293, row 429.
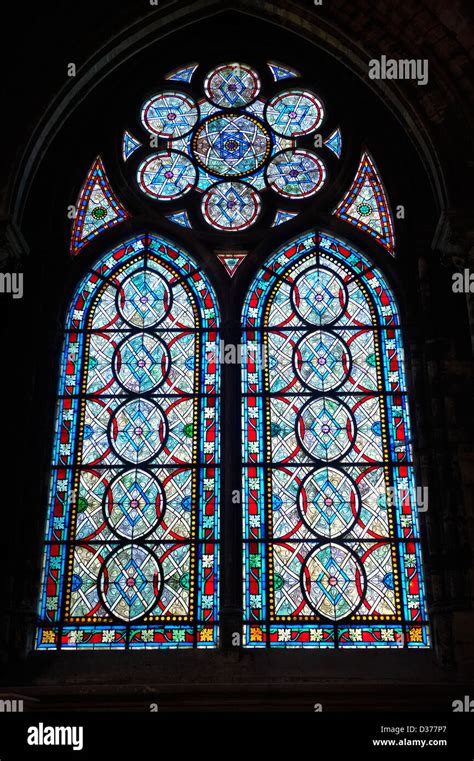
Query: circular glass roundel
column 130, row 582
column 166, row 175
column 365, row 209
column 322, row 360
column 296, row 174
column 144, row 299
column 333, row 581
column 232, row 85
column 141, row 363
column 319, row 296
column 134, row 504
column 328, row 502
column 231, row 205
column 138, row 430
column 170, row 114
column 231, row 145
column 326, row 429
column 294, row 113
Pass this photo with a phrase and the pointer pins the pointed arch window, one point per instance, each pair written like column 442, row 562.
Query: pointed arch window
column 131, row 552
column 331, row 545
column 331, row 542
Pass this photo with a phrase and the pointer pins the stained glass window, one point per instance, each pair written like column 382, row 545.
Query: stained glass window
column 170, row 114
column 296, row 174
column 293, row 113
column 233, row 145
column 180, row 218
column 183, row 73
column 131, row 551
column 334, row 142
column 232, row 85
column 365, row 205
column 231, row 205
column 129, row 145
column 331, row 542
column 231, row 262
column 283, row 216
column 98, row 208
column 281, row 72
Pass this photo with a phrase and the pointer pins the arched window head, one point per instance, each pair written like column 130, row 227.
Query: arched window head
column 130, row 559
column 331, row 542
column 228, row 151
column 229, row 143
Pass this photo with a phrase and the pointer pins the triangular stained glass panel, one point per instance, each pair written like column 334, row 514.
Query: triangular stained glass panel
column 129, row 145
column 334, row 142
column 366, row 205
column 231, row 262
column 179, row 218
column 283, row 216
column 98, row 208
column 183, row 74
column 281, row 72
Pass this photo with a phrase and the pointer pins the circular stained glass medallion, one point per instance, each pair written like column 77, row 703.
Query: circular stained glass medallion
column 322, row 360
column 333, row 581
column 170, row 114
column 144, row 299
column 326, row 428
column 232, row 85
column 319, row 296
column 141, row 363
column 231, row 145
column 328, row 502
column 130, row 582
column 134, row 503
column 138, row 430
column 294, row 113
column 231, row 206
column 296, row 174
column 166, row 176
column 100, row 212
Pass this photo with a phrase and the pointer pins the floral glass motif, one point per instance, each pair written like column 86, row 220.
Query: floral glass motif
column 131, row 552
column 331, row 540
column 232, row 146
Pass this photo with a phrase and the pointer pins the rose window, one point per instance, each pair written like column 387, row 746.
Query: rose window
column 232, row 147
